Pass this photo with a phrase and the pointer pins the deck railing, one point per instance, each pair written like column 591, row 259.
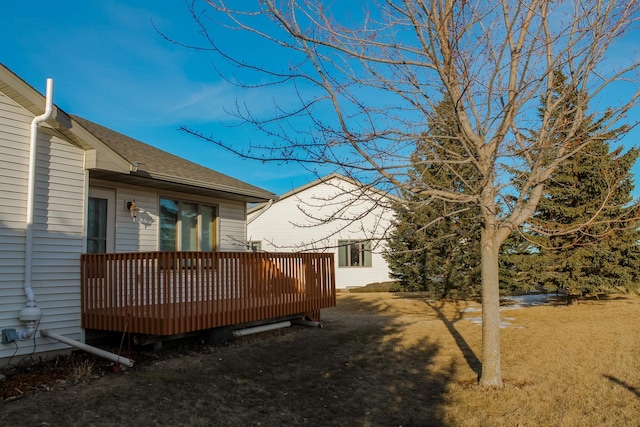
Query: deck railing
column 167, row 293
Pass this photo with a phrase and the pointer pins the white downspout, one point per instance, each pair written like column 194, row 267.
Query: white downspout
column 263, row 210
column 89, row 349
column 31, row 314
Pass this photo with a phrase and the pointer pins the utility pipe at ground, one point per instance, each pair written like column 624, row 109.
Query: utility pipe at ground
column 263, row 328
column 120, row 360
column 304, row 322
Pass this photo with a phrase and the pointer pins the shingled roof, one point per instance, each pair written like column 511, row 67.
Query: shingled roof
column 176, row 173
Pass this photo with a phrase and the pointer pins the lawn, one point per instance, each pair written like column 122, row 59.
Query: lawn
column 381, row 359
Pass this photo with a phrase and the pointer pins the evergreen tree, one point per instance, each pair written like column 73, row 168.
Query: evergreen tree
column 518, row 258
column 433, row 246
column 584, row 227
column 429, row 251
column 582, row 238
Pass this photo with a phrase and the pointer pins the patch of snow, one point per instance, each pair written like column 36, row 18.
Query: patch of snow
column 513, row 303
column 519, row 301
column 530, row 300
column 478, row 321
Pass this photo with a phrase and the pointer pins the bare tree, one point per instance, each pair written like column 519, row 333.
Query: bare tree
column 366, row 79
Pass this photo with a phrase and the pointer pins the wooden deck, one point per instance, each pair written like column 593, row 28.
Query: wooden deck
column 167, row 293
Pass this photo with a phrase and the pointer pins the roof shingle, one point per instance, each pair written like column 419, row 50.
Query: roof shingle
column 159, row 164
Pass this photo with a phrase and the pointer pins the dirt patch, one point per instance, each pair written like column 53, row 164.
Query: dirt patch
column 380, row 360
column 35, row 374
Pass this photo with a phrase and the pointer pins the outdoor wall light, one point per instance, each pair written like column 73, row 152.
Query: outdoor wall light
column 133, row 209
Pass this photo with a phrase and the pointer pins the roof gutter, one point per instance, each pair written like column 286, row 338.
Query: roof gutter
column 257, row 193
column 31, row 314
column 260, row 212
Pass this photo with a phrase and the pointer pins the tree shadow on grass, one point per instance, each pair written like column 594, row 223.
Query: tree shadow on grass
column 620, row 382
column 469, row 355
column 356, row 371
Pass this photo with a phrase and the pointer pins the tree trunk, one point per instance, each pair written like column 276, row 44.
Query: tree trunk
column 491, row 372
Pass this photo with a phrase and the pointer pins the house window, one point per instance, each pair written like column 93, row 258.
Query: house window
column 354, row 253
column 97, row 226
column 208, row 229
column 255, row 246
column 186, row 226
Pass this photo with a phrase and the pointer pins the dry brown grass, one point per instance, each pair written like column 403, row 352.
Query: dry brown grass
column 563, row 365
column 381, row 360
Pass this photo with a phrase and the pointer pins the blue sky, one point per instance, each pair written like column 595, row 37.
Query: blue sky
column 111, row 66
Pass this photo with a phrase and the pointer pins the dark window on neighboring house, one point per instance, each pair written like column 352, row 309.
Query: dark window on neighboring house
column 354, row 253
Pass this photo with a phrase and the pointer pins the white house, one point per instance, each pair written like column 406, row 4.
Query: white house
column 70, row 187
column 331, row 214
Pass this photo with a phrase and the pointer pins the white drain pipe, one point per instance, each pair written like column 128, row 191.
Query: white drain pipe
column 303, row 322
column 31, row 314
column 263, row 210
column 120, row 360
column 263, row 328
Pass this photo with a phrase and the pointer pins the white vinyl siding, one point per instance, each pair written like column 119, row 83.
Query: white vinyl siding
column 232, row 228
column 295, row 223
column 143, row 234
column 58, row 229
column 139, row 235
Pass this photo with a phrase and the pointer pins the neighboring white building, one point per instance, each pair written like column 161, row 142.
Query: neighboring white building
column 332, row 214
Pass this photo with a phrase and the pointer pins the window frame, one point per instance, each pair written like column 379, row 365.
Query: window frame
column 109, row 195
column 178, row 226
column 97, row 225
column 345, row 255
